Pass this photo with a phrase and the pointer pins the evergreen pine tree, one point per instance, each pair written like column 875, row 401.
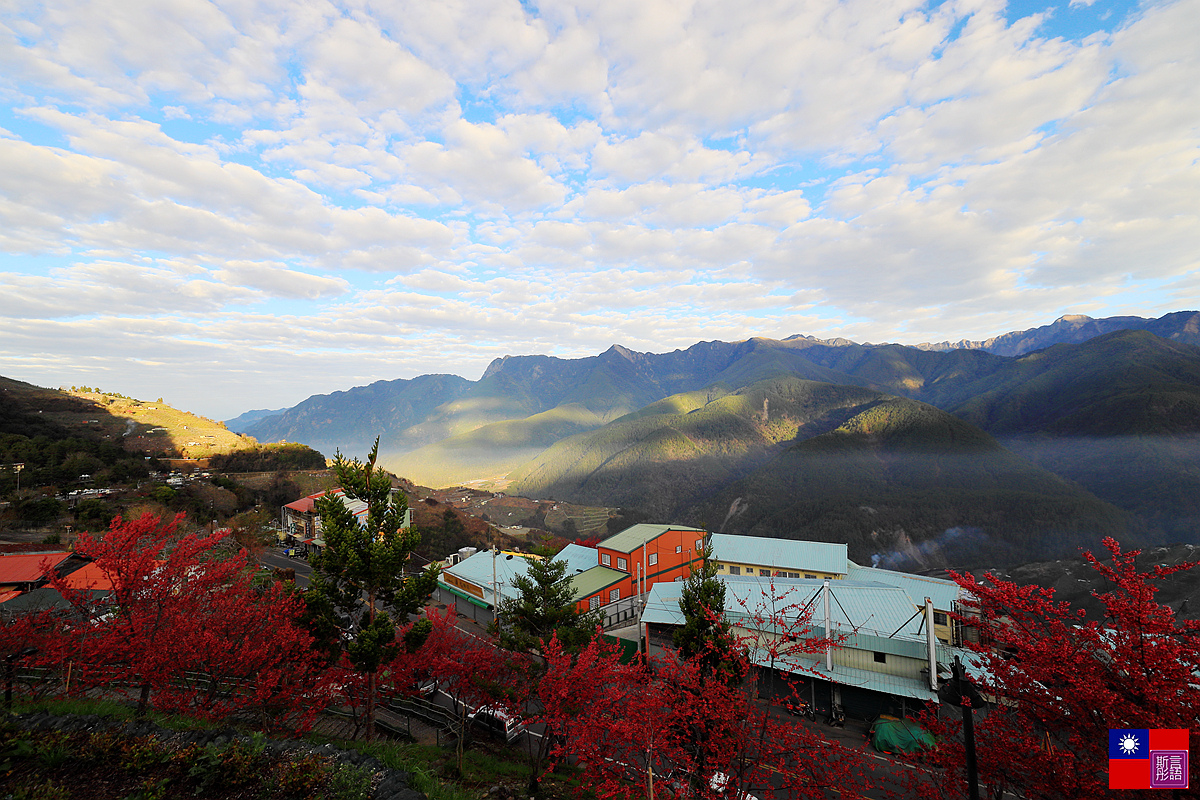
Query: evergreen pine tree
column 360, row 572
column 545, row 606
column 705, row 638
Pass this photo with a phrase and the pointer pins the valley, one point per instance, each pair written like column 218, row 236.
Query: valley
column 1033, row 453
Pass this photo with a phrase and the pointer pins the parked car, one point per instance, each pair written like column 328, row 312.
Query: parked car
column 498, row 722
column 680, row 786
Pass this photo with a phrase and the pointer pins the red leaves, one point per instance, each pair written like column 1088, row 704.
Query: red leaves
column 1065, row 682
column 185, row 625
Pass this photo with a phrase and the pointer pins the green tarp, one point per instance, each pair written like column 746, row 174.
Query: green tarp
column 899, row 736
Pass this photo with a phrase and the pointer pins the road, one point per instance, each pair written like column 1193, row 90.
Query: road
column 273, row 557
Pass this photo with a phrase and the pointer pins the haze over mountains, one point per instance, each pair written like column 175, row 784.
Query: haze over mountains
column 1026, row 450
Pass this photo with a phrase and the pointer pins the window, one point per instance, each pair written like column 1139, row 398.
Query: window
column 622, row 564
column 699, row 545
column 720, row 567
column 594, row 602
column 605, row 559
column 735, row 570
column 615, row 595
column 939, row 618
column 809, row 575
column 764, row 571
column 678, row 548
column 881, row 658
column 653, row 558
column 678, row 578
column 793, row 574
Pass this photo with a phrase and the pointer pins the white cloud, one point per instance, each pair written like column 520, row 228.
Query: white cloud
column 375, row 190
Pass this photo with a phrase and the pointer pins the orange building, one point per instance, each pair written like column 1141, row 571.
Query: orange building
column 653, row 554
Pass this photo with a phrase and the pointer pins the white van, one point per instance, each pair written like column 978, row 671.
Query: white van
column 497, row 721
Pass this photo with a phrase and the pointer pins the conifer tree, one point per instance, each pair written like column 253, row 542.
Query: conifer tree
column 705, row 638
column 545, row 607
column 360, row 572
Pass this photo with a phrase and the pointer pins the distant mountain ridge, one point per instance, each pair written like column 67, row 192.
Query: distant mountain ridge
column 660, row 432
column 1180, row 326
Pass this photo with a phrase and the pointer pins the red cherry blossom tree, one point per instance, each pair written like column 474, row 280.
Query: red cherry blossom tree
column 185, row 624
column 702, row 735
column 1062, row 681
column 474, row 671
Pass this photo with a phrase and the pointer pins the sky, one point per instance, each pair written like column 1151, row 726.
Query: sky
column 236, row 205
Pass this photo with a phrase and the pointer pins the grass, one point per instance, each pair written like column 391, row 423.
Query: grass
column 114, row 709
column 429, row 766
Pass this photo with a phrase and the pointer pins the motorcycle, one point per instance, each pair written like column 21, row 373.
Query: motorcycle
column 805, row 710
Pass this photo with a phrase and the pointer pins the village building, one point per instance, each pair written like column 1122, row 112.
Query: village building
column 301, row 522
column 485, row 578
column 879, row 656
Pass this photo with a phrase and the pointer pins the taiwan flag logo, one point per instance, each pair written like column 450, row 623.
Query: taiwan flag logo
column 1140, row 758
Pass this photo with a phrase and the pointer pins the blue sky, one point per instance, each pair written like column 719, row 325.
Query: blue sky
column 238, row 205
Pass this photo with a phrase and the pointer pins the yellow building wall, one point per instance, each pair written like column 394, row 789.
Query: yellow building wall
column 723, row 568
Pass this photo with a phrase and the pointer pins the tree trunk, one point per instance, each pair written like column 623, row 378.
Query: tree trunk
column 143, row 701
column 371, row 707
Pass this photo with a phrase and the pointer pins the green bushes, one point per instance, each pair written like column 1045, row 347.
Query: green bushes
column 40, row 765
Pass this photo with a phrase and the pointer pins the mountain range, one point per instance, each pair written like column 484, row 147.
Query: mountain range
column 1034, row 441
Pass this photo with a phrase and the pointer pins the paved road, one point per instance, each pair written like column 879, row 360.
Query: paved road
column 273, row 557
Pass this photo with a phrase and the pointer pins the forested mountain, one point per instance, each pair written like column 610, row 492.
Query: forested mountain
column 682, row 435
column 798, row 459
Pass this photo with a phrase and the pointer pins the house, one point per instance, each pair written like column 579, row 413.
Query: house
column 881, row 660
column 301, row 522
column 23, row 578
column 652, row 554
column 487, row 577
column 791, row 558
column 21, row 572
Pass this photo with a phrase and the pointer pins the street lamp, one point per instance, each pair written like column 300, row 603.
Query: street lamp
column 953, row 692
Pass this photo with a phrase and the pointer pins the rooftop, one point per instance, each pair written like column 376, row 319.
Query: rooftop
column 27, row 567
column 632, row 538
column 942, row 592
column 868, row 608
column 596, row 579
column 828, row 557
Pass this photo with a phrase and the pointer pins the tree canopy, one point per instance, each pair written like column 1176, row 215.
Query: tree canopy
column 545, row 607
column 360, row 571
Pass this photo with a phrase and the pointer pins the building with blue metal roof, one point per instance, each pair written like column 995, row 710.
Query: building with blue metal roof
column 788, row 558
column 879, row 643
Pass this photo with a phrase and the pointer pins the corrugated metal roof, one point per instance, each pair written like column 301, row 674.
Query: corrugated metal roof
column 586, row 584
column 89, row 576
column 854, row 607
column 26, row 567
column 942, row 592
column 829, row 557
column 477, row 569
column 631, row 538
column 578, row 558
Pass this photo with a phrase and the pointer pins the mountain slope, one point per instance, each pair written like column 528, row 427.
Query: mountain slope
column 900, row 473
column 349, row 421
column 664, row 456
column 1122, row 383
column 794, row 458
